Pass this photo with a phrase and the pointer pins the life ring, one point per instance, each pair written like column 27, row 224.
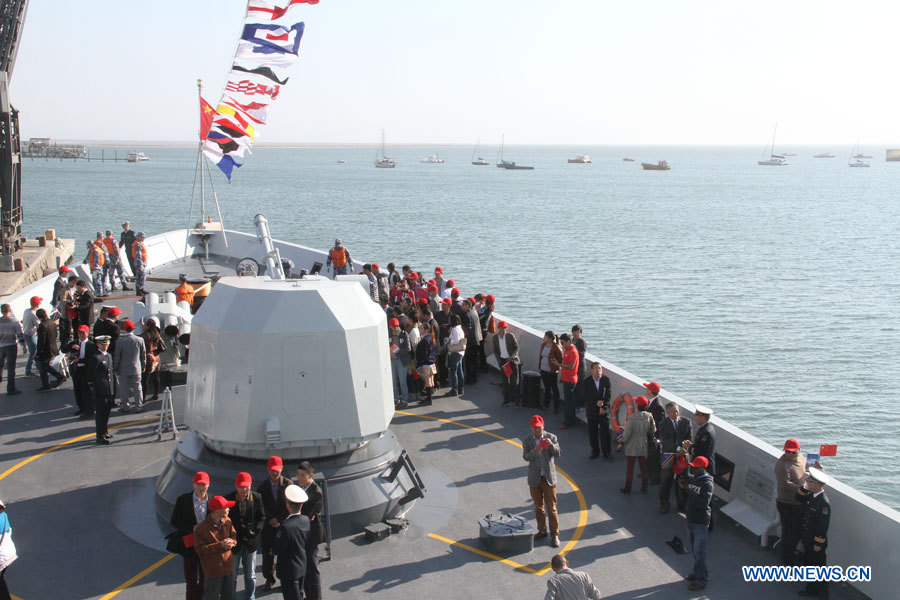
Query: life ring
column 622, row 401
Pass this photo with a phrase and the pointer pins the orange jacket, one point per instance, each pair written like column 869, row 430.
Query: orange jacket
column 112, row 246
column 139, row 247
column 185, row 292
column 98, row 256
column 339, row 257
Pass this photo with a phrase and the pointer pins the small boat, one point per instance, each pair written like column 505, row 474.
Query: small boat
column 478, row 161
column 433, row 159
column 500, row 162
column 381, row 160
column 628, row 159
column 511, row 166
column 789, row 154
column 342, row 162
column 659, row 166
column 862, row 156
column 136, row 156
column 857, row 155
column 774, row 160
column 824, row 155
column 581, row 159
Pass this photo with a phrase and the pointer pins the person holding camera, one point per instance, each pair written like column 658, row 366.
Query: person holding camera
column 248, row 517
column 539, row 450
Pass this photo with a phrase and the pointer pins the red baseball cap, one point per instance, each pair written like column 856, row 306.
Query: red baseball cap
column 537, row 421
column 84, row 328
column 421, row 301
column 413, row 275
column 218, row 503
column 454, row 292
column 201, row 477
column 65, row 269
column 438, row 270
column 375, row 266
column 115, row 311
column 450, row 283
column 652, row 386
column 502, row 324
column 394, row 323
column 243, row 479
column 433, row 288
column 446, row 301
column 471, row 301
column 791, row 445
column 490, row 298
column 275, row 463
column 700, row 461
column 36, row 299
column 128, row 325
column 641, row 401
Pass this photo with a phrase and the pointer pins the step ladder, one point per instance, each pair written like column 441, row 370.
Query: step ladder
column 166, row 417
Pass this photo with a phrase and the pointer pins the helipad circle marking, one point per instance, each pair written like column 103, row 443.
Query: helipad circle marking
column 582, row 503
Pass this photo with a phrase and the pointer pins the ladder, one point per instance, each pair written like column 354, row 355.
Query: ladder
column 166, row 416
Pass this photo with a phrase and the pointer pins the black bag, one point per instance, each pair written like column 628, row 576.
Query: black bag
column 160, row 347
column 175, row 544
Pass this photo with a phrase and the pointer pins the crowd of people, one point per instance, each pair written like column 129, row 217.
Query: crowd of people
column 218, row 536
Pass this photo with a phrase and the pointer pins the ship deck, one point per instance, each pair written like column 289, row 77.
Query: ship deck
column 85, row 527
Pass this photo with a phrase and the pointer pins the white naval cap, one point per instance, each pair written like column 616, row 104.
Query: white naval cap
column 295, row 494
column 818, row 475
column 702, row 410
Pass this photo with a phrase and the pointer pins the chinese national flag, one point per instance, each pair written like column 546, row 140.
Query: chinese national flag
column 207, row 112
column 828, row 450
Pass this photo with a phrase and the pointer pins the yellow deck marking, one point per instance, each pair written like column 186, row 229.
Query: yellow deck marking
column 21, row 464
column 139, row 576
column 582, row 503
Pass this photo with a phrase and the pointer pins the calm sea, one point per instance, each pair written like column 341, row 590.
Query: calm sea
column 771, row 294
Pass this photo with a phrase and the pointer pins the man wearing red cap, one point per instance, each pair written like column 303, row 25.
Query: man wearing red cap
column 82, row 349
column 790, row 475
column 272, row 492
column 401, row 353
column 65, row 305
column 506, row 352
column 108, row 325
column 655, row 408
column 638, row 428
column 190, row 510
column 214, row 539
column 384, row 288
column 697, row 512
column 248, row 517
column 539, row 448
column 129, row 362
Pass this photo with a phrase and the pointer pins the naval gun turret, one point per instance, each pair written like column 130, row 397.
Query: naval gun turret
column 297, row 368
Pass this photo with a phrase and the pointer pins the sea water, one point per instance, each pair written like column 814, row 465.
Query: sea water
column 770, row 294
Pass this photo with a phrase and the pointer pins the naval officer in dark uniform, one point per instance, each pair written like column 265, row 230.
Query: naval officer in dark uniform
column 312, row 508
column 704, row 443
column 99, row 381
column 815, row 527
column 290, row 544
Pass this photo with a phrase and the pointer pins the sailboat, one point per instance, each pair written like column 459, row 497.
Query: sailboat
column 775, row 160
column 500, row 162
column 478, row 161
column 384, row 162
column 856, row 155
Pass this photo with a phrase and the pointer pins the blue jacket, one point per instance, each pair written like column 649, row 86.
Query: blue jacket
column 700, row 492
column 290, row 547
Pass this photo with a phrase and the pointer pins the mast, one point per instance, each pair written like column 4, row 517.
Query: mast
column 200, row 146
column 773, row 139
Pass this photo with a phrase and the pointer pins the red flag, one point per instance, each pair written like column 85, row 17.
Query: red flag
column 207, row 112
column 828, row 450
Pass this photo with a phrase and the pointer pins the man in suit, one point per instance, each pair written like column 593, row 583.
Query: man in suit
column 506, row 351
column 595, row 390
column 100, row 382
column 248, row 517
column 290, row 544
column 567, row 584
column 539, row 448
column 129, row 361
column 472, row 327
column 190, row 509
column 82, row 349
column 312, row 508
column 84, row 303
column 272, row 492
column 673, row 430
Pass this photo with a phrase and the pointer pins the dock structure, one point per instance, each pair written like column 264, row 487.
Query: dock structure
column 34, row 260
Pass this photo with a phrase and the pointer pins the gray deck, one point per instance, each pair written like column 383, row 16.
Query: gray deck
column 69, row 509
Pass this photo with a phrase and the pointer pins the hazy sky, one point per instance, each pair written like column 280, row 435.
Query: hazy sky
column 543, row 72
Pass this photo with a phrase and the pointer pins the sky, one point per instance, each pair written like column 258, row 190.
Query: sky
column 427, row 71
